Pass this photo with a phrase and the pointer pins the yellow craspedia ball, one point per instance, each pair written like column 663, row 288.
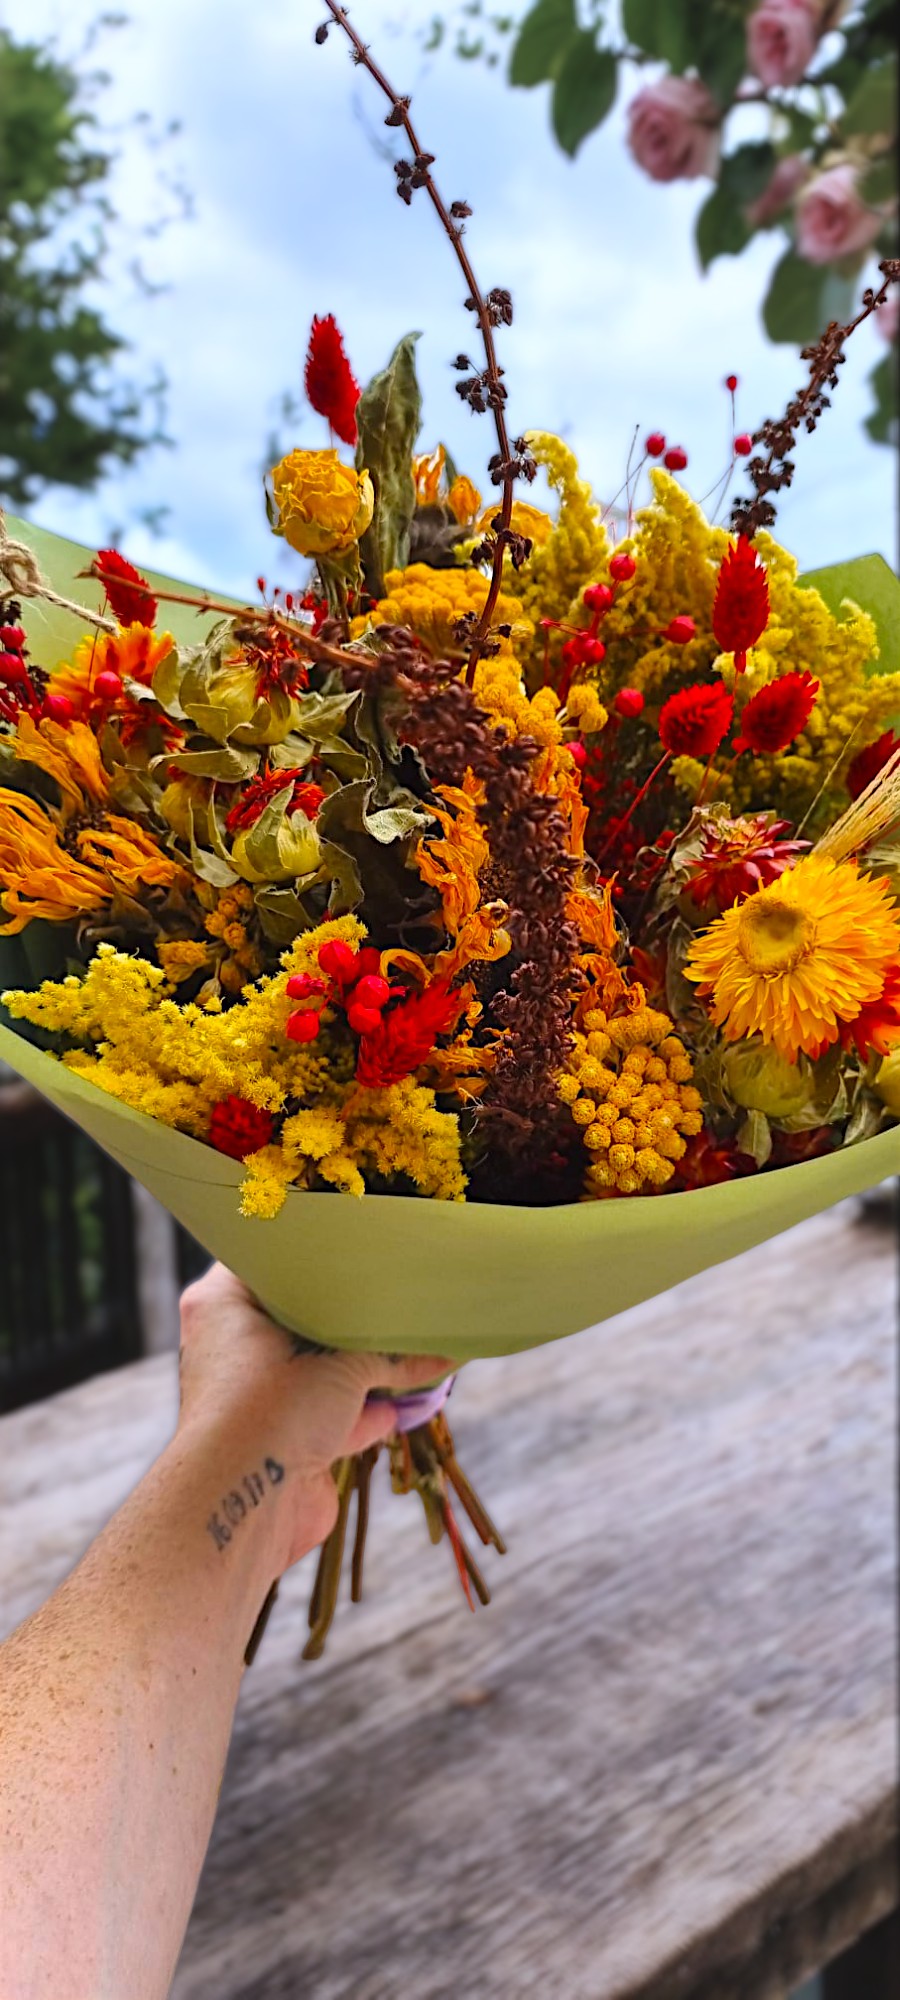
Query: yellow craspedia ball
column 323, row 505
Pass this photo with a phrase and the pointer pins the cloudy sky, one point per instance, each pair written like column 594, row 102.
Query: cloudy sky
column 295, row 213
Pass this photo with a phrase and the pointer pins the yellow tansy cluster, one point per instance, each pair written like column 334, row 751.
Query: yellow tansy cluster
column 628, row 1085
column 432, row 602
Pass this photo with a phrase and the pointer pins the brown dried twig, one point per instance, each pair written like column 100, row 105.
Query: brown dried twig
column 826, row 356
column 483, row 389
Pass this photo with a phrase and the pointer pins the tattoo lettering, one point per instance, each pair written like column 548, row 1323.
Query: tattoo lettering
column 235, row 1507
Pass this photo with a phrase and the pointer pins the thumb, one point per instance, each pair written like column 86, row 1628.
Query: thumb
column 399, row 1374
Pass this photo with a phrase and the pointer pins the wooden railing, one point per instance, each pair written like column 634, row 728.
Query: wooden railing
column 68, row 1290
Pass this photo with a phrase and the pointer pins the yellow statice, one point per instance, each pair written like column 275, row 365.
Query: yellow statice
column 432, row 602
column 572, row 555
column 628, row 1087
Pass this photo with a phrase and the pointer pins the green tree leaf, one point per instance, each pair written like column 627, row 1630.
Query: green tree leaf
column 721, row 51
column 871, row 583
column 873, row 105
column 666, row 29
column 722, row 228
column 879, row 182
column 882, row 423
column 66, row 412
column 584, row 92
column 389, row 414
column 792, row 309
column 542, row 41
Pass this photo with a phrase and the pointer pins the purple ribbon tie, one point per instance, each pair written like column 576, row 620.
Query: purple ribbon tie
column 418, row 1407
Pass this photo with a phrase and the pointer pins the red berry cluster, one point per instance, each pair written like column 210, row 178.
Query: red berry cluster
column 352, row 981
column 674, row 457
column 23, row 689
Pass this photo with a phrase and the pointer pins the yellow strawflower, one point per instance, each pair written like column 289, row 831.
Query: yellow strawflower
column 802, row 956
column 323, row 506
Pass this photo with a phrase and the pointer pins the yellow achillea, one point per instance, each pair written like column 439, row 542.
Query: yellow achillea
column 39, row 877
column 432, row 601
column 176, row 1062
column 628, row 1086
column 800, row 956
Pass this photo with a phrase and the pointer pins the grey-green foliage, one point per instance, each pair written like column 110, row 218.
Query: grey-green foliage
column 389, row 415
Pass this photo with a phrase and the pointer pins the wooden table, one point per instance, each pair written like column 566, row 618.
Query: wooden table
column 662, row 1764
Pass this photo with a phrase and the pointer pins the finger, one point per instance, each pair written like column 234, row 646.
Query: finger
column 377, row 1423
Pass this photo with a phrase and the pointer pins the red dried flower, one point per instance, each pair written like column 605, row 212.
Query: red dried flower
column 330, row 383
column 739, row 858
column 741, row 606
column 877, row 1025
column 305, row 798
column 777, row 713
column 405, row 1036
column 868, row 762
column 693, row 722
column 237, row 1127
column 130, row 598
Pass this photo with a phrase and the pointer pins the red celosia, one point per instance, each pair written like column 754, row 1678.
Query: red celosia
column 876, row 1028
column 777, row 713
column 406, row 1036
column 868, row 762
column 131, row 601
column 739, row 858
column 330, row 383
column 693, row 722
column 305, row 798
column 741, row 606
column 237, row 1127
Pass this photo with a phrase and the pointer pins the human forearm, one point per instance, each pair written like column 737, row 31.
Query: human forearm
column 116, row 1704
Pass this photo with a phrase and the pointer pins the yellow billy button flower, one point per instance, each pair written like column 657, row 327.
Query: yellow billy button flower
column 323, row 506
column 801, row 957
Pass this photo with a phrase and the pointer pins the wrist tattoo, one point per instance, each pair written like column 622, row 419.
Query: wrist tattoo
column 236, row 1505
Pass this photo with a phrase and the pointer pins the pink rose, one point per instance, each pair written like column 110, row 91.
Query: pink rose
column 788, row 176
column 832, row 218
column 782, row 37
column 887, row 318
column 673, row 129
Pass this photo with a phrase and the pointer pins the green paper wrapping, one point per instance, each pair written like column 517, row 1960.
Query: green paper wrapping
column 396, row 1274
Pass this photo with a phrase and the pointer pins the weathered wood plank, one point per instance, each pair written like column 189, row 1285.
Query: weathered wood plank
column 661, row 1766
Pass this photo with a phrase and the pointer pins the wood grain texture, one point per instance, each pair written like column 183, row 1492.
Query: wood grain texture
column 661, row 1766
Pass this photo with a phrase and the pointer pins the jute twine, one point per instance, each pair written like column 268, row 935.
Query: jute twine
column 20, row 568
